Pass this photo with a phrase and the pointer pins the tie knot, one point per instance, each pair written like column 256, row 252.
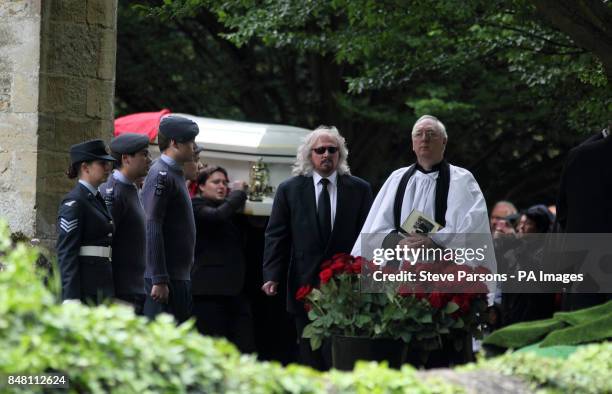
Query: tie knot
column 324, row 182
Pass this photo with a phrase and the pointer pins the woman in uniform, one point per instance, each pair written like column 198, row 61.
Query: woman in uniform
column 85, row 227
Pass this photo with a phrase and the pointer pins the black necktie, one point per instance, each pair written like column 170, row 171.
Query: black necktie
column 100, row 200
column 324, row 211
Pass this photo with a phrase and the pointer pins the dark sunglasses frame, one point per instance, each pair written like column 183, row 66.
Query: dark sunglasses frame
column 321, row 150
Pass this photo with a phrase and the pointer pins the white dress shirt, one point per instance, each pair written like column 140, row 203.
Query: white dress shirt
column 89, row 187
column 118, row 175
column 332, row 188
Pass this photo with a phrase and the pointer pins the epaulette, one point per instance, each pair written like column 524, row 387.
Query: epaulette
column 160, row 186
column 109, row 197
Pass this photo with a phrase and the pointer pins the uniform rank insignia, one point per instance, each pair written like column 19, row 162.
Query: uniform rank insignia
column 109, row 198
column 160, row 186
column 68, row 225
column 70, row 203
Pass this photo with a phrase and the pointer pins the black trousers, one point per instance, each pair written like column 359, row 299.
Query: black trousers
column 229, row 317
column 179, row 301
column 137, row 301
column 319, row 359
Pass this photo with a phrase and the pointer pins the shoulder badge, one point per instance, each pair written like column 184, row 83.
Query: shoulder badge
column 109, row 198
column 68, row 225
column 160, row 186
column 70, row 203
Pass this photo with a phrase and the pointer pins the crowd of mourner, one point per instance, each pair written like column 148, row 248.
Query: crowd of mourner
column 166, row 236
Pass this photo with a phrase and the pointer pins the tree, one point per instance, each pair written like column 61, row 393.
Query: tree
column 514, row 93
column 587, row 22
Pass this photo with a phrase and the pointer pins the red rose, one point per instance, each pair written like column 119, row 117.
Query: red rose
column 478, row 288
column 326, row 264
column 326, row 275
column 437, row 299
column 405, row 290
column 421, row 267
column 345, row 258
column 338, row 266
column 355, row 268
column 419, row 291
column 303, row 292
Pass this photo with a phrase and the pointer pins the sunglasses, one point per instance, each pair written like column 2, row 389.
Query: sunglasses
column 321, row 150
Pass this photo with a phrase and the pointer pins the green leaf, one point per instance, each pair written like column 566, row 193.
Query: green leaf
column 426, row 318
column 406, row 336
column 361, row 320
column 450, row 308
column 315, row 343
column 459, row 323
column 308, row 331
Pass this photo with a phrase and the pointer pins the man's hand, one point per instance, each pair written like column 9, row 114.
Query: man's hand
column 270, row 288
column 160, row 293
column 416, row 241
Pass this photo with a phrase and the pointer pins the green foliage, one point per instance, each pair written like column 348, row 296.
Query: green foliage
column 108, row 349
column 588, row 370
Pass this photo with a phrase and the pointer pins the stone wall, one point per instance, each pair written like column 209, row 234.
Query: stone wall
column 19, row 79
column 57, row 75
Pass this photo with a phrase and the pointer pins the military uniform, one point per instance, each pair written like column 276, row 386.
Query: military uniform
column 85, row 233
column 123, row 202
column 170, row 227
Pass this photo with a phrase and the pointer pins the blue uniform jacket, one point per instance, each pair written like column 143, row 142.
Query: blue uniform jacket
column 83, row 220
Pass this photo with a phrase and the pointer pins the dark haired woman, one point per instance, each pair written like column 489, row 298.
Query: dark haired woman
column 85, row 227
column 528, row 253
column 219, row 304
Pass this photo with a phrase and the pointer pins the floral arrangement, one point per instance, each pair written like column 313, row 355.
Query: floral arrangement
column 420, row 313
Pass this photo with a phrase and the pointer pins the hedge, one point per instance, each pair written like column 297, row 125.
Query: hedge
column 109, row 349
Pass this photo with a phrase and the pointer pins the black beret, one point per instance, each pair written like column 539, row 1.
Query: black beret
column 129, row 143
column 89, row 151
column 178, row 128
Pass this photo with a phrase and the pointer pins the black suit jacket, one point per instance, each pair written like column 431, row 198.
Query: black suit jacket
column 293, row 246
column 584, row 204
column 84, row 221
column 586, row 189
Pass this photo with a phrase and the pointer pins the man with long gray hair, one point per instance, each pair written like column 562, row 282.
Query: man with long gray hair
column 316, row 214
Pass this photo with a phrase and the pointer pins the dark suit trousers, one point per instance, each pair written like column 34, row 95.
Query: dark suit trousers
column 319, row 359
column 229, row 317
column 137, row 301
column 179, row 300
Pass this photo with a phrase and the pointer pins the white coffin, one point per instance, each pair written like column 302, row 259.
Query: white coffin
column 236, row 146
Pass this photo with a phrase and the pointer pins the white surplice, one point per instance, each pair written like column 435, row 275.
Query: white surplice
column 466, row 211
column 466, row 207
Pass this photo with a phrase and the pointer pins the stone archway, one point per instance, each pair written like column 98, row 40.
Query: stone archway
column 57, row 82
